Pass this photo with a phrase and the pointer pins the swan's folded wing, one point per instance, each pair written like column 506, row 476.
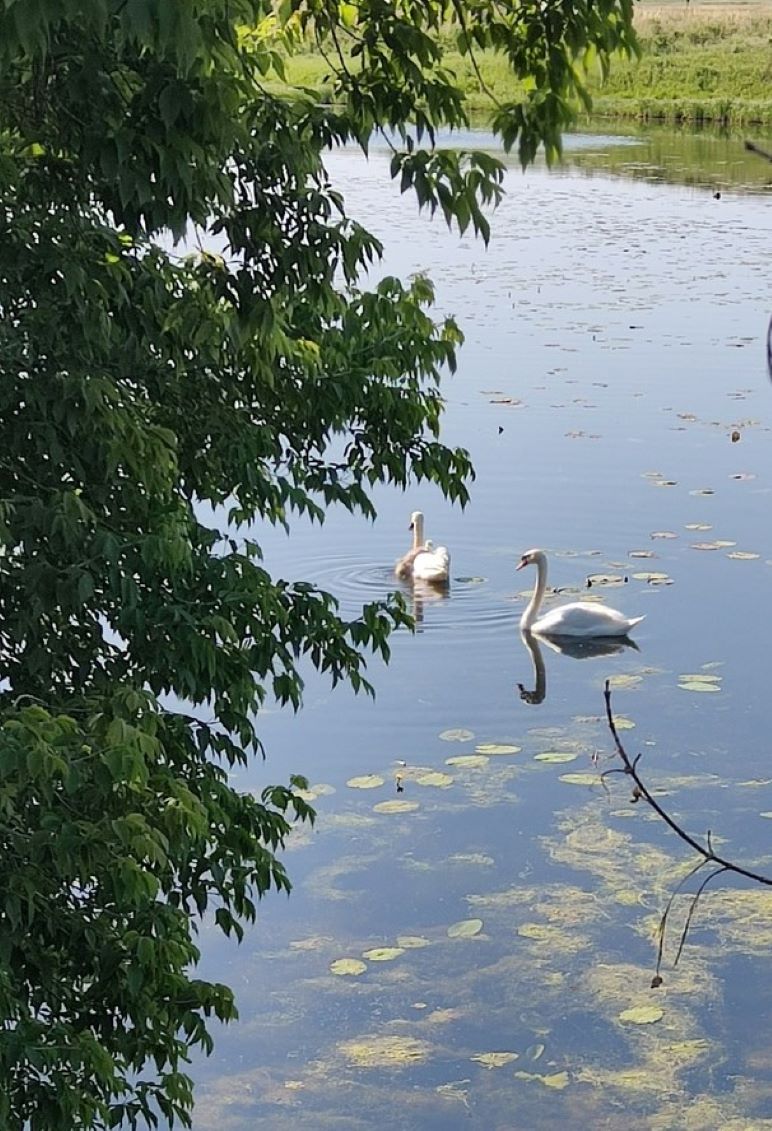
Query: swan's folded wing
column 432, row 565
column 582, row 618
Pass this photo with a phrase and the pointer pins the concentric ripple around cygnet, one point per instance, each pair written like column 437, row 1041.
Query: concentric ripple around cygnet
column 473, row 606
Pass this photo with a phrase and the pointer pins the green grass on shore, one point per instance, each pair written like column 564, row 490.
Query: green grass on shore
column 699, row 63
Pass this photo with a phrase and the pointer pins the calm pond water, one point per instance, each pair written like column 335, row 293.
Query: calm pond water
column 615, row 342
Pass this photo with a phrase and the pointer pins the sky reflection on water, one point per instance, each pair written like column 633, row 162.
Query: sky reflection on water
column 616, row 336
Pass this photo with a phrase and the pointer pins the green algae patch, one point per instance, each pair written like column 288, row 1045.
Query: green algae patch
column 384, row 1052
column 642, row 1015
column 494, row 1059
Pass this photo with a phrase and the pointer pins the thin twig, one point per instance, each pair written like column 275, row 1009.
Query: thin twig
column 666, row 912
column 459, row 10
column 693, row 908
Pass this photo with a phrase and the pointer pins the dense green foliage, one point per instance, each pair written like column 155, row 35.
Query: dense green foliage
column 156, row 409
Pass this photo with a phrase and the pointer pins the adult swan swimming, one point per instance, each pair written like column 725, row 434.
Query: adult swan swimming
column 425, row 561
column 577, row 619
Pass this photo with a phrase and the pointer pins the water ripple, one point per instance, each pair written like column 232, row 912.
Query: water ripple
column 468, row 605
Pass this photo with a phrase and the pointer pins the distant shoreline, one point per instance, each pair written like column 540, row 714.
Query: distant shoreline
column 701, row 62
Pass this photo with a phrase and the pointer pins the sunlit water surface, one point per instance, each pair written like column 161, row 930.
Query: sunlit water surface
column 615, row 342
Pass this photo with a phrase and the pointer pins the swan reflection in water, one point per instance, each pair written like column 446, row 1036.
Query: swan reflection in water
column 419, row 594
column 577, row 648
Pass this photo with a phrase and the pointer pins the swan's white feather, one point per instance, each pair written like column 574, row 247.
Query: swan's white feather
column 584, row 619
column 432, row 563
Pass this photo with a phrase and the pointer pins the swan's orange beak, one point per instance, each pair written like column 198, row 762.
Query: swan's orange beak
column 522, row 563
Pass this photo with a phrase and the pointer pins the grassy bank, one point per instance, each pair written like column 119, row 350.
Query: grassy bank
column 699, row 63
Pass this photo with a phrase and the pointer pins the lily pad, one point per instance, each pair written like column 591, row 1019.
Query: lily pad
column 457, row 735
column 621, row 722
column 466, row 929
column 383, row 953
column 497, row 748
column 743, row 555
column 610, row 579
column 412, row 942
column 698, row 526
column 494, row 1059
column 435, row 778
column 642, row 1015
column 397, row 806
column 366, row 781
column 699, row 681
column 663, row 534
column 351, row 966
column 468, row 761
column 580, row 779
column 654, row 577
column 625, row 681
column 555, row 757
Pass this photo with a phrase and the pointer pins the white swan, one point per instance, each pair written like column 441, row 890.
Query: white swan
column 424, row 560
column 432, row 563
column 577, row 619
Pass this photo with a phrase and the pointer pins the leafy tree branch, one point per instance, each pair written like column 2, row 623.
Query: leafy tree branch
column 160, row 408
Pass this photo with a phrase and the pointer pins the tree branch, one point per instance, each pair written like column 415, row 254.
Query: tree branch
column 753, row 148
column 706, row 852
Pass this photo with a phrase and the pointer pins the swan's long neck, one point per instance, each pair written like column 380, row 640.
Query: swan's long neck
column 418, row 532
column 529, row 616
